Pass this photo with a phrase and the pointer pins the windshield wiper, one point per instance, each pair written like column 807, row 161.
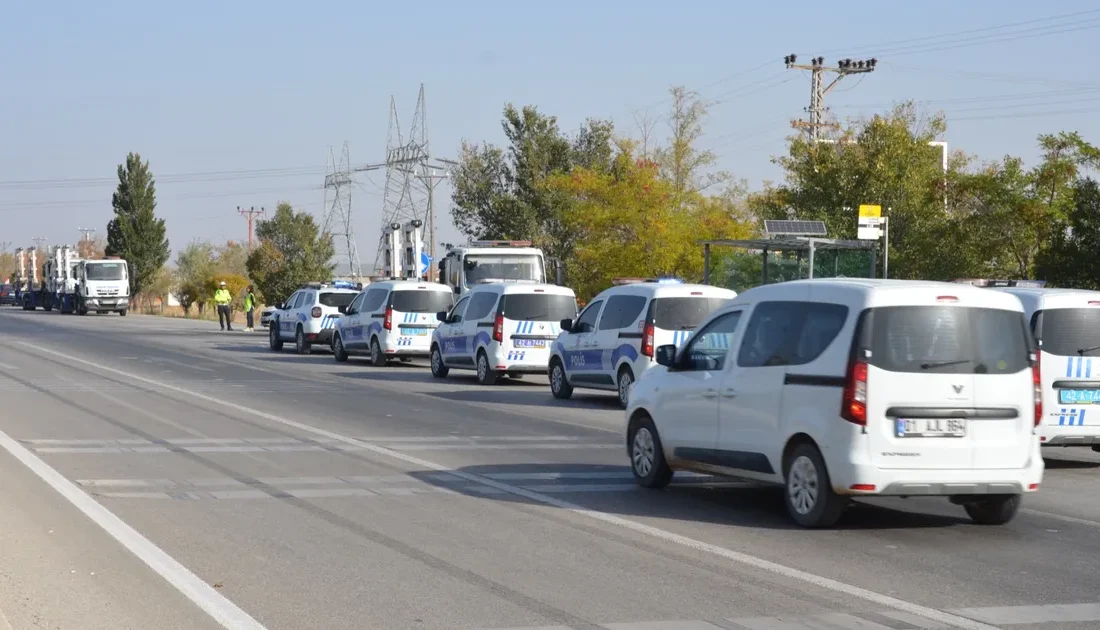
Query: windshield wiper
column 1084, row 350
column 936, row 364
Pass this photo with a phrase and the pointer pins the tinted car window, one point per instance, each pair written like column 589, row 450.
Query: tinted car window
column 821, row 322
column 303, row 298
column 480, row 305
column 336, row 299
column 374, row 300
column 1067, row 331
column 684, row 313
column 766, row 342
column 709, row 347
column 540, row 307
column 421, row 301
column 588, row 317
column 946, row 340
column 621, row 311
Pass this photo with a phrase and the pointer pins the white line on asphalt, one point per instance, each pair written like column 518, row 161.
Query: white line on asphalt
column 190, row 585
column 1060, row 517
column 624, row 523
column 5, row 366
column 4, row 623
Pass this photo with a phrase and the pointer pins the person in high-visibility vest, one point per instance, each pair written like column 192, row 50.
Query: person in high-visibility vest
column 249, row 307
column 222, row 300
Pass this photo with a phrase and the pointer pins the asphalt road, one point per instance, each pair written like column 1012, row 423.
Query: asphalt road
column 160, row 473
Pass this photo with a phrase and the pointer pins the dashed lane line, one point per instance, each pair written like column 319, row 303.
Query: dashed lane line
column 953, row 620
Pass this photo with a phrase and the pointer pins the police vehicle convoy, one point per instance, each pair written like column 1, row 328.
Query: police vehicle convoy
column 393, row 319
column 844, row 388
column 611, row 343
column 499, row 329
column 1066, row 327
column 309, row 315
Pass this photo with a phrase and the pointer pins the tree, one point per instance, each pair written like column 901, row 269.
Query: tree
column 233, row 259
column 681, row 161
column 91, row 248
column 9, row 266
column 292, row 251
column 1073, row 259
column 135, row 233
column 157, row 289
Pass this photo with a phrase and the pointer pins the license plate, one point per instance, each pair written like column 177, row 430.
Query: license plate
column 530, row 343
column 931, row 427
column 1079, row 396
column 415, row 332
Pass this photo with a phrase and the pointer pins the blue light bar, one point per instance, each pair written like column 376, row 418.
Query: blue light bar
column 669, row 281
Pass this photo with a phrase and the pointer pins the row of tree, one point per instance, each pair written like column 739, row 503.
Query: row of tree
column 609, row 205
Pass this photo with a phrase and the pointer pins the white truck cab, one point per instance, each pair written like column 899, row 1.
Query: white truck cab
column 1066, row 326
column 102, row 285
column 481, row 262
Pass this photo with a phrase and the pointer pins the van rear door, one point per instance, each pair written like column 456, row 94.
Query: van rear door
column 1069, row 347
column 948, row 385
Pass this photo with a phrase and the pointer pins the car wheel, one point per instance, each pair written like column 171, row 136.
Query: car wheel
column 809, row 494
column 626, row 379
column 994, row 510
column 559, row 385
column 338, row 350
column 273, row 340
column 485, row 374
column 647, row 457
column 301, row 344
column 439, row 369
column 122, row 313
column 377, row 358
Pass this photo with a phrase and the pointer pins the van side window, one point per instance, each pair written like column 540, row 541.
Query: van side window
column 587, row 321
column 459, row 310
column 621, row 311
column 356, row 304
column 302, row 298
column 480, row 305
column 767, row 336
column 374, row 300
column 708, row 348
column 821, row 323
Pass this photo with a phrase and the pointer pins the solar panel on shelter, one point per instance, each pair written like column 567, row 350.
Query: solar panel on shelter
column 775, row 227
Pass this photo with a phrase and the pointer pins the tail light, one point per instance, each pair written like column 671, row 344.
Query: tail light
column 498, row 328
column 316, row 312
column 1037, row 383
column 647, row 340
column 387, row 323
column 854, row 407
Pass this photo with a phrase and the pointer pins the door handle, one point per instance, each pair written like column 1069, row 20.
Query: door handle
column 709, row 393
column 729, row 393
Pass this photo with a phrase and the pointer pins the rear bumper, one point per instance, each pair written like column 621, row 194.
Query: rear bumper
column 872, row 481
column 521, row 360
column 1070, row 436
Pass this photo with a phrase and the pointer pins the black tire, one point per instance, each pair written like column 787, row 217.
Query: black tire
column 273, row 340
column 377, row 357
column 625, row 380
column 993, row 510
column 339, row 352
column 439, row 369
column 122, row 313
column 647, row 456
column 808, row 491
column 485, row 374
column 559, row 385
column 301, row 344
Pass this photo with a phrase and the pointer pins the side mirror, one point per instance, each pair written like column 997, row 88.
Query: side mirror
column 343, row 309
column 441, row 316
column 567, row 325
column 666, row 355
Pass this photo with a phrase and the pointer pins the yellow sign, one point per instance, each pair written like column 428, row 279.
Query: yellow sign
column 868, row 210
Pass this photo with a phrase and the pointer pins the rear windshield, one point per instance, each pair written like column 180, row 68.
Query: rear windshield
column 946, row 340
column 422, row 301
column 336, row 299
column 539, row 307
column 684, row 313
column 1069, row 332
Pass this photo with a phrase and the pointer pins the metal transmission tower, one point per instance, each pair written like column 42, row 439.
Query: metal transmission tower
column 818, row 89
column 338, row 221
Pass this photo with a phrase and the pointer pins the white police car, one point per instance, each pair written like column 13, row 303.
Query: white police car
column 393, row 319
column 611, row 343
column 309, row 315
column 501, row 328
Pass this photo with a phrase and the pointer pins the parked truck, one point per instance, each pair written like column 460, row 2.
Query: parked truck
column 75, row 285
column 465, row 266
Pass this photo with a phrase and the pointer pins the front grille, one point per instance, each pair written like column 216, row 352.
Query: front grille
column 107, row 291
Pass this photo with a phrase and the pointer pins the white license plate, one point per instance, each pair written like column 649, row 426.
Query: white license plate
column 530, row 343
column 415, row 332
column 931, row 427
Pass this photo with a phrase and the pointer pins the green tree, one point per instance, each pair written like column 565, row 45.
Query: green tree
column 135, row 233
column 233, row 259
column 1073, row 259
column 8, row 266
column 292, row 251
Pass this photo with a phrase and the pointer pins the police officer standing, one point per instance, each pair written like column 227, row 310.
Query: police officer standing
column 249, row 308
column 222, row 300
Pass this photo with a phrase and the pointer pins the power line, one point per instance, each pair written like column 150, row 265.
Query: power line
column 818, row 89
column 181, row 178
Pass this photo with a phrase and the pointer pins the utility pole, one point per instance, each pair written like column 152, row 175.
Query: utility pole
column 432, row 180
column 39, row 242
column 87, row 232
column 250, row 214
column 818, row 88
column 4, row 245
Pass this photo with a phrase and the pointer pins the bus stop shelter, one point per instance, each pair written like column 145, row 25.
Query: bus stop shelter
column 802, row 245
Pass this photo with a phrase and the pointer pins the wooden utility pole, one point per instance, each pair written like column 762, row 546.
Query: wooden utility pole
column 818, row 89
column 250, row 214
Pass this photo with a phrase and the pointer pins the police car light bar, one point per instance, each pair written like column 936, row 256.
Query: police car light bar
column 500, row 244
column 621, row 281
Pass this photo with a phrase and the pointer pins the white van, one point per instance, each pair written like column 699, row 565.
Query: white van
column 844, row 388
column 501, row 328
column 388, row 320
column 1066, row 326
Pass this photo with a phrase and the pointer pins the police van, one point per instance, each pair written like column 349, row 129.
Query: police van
column 1066, row 326
column 501, row 328
column 611, row 343
column 309, row 315
column 393, row 319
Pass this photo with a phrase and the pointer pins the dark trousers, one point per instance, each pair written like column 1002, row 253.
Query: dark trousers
column 223, row 317
column 248, row 314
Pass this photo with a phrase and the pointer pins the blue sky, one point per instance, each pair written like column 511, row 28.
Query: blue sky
column 229, row 89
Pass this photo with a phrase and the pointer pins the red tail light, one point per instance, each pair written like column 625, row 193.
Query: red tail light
column 316, row 312
column 647, row 341
column 387, row 323
column 854, row 407
column 1037, row 382
column 498, row 328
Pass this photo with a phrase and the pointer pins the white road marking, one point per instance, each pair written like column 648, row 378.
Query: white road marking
column 4, row 623
column 190, row 585
column 5, row 366
column 1062, row 517
column 610, row 519
column 1020, row 615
